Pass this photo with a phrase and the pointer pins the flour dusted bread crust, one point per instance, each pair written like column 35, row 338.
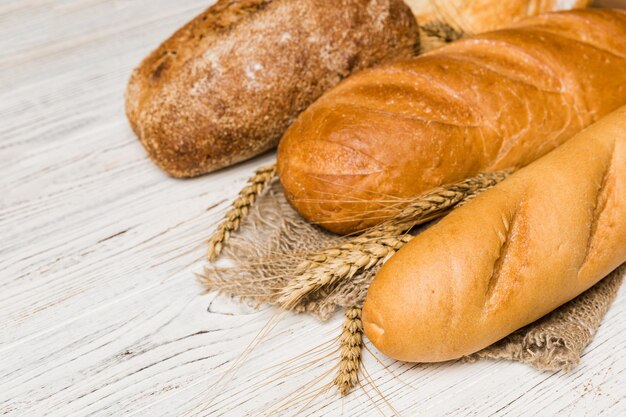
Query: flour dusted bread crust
column 516, row 252
column 226, row 86
column 492, row 101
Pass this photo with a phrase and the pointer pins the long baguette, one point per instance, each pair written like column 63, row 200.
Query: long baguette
column 515, row 253
column 488, row 102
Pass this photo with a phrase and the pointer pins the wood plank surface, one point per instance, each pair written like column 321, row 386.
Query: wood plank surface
column 101, row 313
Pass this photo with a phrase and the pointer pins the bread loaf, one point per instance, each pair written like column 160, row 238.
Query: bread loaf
column 515, row 253
column 472, row 16
column 488, row 102
column 226, row 86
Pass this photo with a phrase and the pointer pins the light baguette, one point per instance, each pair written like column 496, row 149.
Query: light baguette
column 515, row 253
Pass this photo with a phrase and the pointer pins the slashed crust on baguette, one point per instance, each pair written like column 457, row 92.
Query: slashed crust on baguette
column 515, row 253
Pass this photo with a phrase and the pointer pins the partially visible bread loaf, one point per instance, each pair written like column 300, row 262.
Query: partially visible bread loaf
column 477, row 16
column 515, row 253
column 226, row 86
column 488, row 102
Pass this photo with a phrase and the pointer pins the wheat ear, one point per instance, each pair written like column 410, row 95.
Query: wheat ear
column 442, row 199
column 343, row 262
column 442, row 31
column 240, row 208
column 376, row 246
column 350, row 347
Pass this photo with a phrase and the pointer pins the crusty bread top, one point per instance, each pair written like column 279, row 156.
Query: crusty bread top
column 225, row 86
column 193, row 39
column 491, row 101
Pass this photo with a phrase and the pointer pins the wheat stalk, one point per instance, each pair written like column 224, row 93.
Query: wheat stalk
column 439, row 200
column 350, row 346
column 442, row 31
column 376, row 246
column 240, row 208
column 343, row 262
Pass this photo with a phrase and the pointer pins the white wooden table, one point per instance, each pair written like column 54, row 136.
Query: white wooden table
column 100, row 313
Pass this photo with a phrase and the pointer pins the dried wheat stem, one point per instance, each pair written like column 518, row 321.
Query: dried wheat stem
column 376, row 246
column 444, row 198
column 448, row 14
column 350, row 345
column 240, row 208
column 343, row 262
column 442, row 31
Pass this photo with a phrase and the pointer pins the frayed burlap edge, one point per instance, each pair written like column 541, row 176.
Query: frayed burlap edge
column 557, row 341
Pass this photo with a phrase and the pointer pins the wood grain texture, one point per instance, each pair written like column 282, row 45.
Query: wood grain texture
column 101, row 314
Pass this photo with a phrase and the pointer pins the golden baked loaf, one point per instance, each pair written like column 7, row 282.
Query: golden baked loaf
column 488, row 102
column 515, row 253
column 225, row 86
column 477, row 16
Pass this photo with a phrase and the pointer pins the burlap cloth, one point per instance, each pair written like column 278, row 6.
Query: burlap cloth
column 274, row 239
column 556, row 341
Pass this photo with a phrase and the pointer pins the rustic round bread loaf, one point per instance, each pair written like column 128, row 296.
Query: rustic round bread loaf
column 488, row 102
column 225, row 86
